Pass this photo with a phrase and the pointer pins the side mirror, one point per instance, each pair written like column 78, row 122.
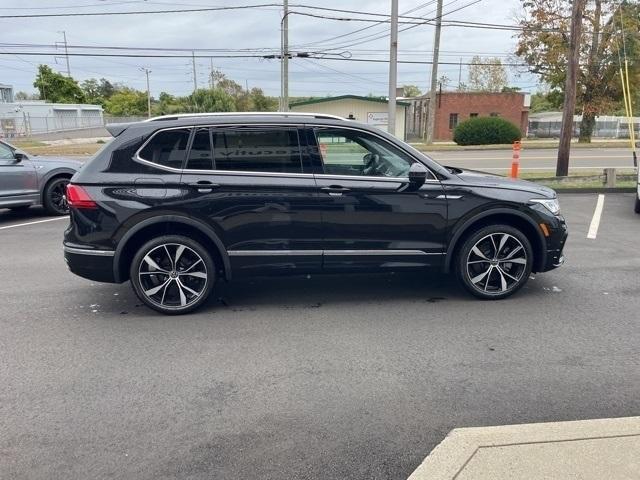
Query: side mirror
column 19, row 156
column 417, row 174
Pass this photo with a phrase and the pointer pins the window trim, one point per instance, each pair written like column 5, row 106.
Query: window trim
column 192, row 128
column 453, row 120
column 312, row 127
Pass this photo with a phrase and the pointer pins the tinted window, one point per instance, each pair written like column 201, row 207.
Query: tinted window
column 350, row 152
column 167, row 148
column 200, row 155
column 257, row 150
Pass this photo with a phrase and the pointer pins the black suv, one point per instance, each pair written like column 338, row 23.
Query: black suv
column 176, row 202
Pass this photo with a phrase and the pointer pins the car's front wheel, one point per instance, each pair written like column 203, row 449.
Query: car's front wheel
column 55, row 196
column 172, row 274
column 494, row 262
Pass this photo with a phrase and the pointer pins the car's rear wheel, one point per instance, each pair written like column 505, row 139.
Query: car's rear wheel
column 172, row 274
column 494, row 262
column 55, row 196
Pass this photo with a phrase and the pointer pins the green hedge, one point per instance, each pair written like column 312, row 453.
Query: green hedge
column 486, row 131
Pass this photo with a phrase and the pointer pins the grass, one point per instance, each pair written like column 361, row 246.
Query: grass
column 39, row 148
column 531, row 143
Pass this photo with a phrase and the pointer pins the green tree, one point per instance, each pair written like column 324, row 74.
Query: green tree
column 543, row 42
column 127, row 101
column 56, row 87
column 550, row 101
column 487, row 75
column 411, row 91
column 262, row 103
column 211, row 100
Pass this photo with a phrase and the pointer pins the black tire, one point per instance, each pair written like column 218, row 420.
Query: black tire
column 637, row 207
column 55, row 196
column 168, row 287
column 482, row 264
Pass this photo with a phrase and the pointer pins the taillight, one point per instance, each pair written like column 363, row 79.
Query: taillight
column 77, row 197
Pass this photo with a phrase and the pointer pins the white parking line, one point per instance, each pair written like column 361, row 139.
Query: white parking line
column 33, row 223
column 595, row 221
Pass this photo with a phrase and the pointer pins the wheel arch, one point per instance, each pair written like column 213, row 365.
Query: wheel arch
column 167, row 225
column 504, row 216
column 52, row 175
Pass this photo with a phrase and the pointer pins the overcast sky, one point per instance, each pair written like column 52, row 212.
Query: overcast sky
column 252, row 29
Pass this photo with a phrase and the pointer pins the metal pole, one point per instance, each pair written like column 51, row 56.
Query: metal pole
column 393, row 68
column 284, row 107
column 431, row 114
column 66, row 53
column 147, row 72
column 195, row 78
column 460, row 75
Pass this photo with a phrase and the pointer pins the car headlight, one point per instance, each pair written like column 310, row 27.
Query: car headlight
column 550, row 204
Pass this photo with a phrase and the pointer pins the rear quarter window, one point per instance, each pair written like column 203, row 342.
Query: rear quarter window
column 167, row 148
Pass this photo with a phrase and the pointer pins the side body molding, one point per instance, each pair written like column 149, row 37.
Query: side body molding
column 202, row 227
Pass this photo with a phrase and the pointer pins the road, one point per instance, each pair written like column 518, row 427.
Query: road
column 535, row 159
column 307, row 378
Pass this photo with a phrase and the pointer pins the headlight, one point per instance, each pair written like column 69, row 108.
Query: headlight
column 550, row 204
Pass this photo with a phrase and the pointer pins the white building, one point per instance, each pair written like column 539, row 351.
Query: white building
column 369, row 110
column 19, row 118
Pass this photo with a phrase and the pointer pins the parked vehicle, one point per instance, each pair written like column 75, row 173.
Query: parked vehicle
column 177, row 202
column 29, row 180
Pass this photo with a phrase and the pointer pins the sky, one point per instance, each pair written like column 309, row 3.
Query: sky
column 257, row 29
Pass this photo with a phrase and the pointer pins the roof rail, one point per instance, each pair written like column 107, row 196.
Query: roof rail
column 241, row 114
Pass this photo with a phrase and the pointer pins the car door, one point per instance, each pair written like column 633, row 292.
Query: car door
column 18, row 180
column 254, row 186
column 371, row 215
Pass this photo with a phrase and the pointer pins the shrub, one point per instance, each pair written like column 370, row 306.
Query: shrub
column 486, row 131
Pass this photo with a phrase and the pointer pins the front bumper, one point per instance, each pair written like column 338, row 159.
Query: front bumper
column 90, row 263
column 556, row 241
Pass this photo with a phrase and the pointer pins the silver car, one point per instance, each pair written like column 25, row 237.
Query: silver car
column 33, row 180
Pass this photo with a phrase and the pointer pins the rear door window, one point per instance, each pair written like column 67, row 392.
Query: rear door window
column 167, row 148
column 201, row 153
column 272, row 150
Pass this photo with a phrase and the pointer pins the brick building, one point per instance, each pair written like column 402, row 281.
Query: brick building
column 455, row 107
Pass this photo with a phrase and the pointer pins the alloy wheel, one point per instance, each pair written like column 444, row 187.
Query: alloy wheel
column 58, row 196
column 173, row 276
column 496, row 263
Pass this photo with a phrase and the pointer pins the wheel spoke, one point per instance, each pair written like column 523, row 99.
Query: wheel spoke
column 173, row 266
column 519, row 260
column 477, row 261
column 486, row 282
column 154, row 290
column 192, row 292
column 503, row 241
column 479, row 253
column 183, row 298
column 507, row 274
column 193, row 265
column 153, row 264
column 513, row 252
column 479, row 278
column 179, row 251
column 503, row 281
column 195, row 274
column 164, row 292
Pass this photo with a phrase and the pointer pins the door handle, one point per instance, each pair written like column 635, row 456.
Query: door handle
column 204, row 186
column 335, row 190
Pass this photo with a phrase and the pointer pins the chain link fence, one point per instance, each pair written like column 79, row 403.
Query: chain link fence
column 605, row 127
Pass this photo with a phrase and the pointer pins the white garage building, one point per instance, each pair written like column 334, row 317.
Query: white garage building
column 370, row 110
column 19, row 118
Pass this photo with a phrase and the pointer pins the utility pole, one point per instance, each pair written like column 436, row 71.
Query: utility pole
column 460, row 75
column 431, row 114
column 211, row 81
column 573, row 56
column 147, row 72
column 66, row 51
column 393, row 68
column 284, row 58
column 195, row 78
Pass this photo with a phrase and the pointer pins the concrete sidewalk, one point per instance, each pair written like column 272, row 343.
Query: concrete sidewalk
column 585, row 450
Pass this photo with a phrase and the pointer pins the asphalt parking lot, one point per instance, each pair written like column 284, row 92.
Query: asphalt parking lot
column 324, row 377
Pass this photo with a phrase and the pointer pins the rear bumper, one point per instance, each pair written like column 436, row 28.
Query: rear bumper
column 90, row 263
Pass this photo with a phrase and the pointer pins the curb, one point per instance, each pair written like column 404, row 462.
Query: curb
column 584, row 449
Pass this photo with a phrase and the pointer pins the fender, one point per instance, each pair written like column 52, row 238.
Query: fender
column 494, row 211
column 49, row 175
column 201, row 227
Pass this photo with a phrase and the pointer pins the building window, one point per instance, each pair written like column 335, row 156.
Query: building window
column 453, row 121
column 473, row 115
column 494, row 114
